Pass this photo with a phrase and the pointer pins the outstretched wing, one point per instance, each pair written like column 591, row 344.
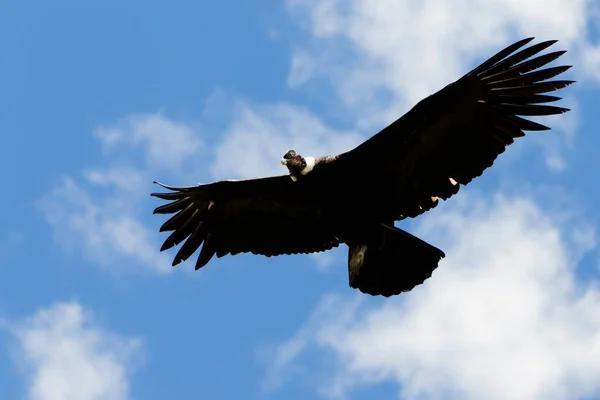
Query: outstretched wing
column 452, row 136
column 268, row 216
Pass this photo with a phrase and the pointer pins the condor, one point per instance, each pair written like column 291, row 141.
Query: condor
column 354, row 198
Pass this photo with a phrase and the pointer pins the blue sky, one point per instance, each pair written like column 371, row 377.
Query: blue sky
column 101, row 98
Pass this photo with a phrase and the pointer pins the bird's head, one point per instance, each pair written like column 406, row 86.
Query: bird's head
column 296, row 164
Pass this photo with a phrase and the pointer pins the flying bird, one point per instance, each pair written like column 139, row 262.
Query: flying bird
column 354, row 198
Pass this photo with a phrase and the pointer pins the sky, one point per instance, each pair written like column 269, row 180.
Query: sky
column 100, row 98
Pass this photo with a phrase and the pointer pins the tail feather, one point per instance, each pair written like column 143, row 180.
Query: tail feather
column 393, row 262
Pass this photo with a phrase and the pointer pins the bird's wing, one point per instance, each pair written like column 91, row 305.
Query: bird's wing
column 268, row 216
column 452, row 136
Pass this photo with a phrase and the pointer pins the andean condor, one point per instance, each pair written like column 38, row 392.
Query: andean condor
column 443, row 142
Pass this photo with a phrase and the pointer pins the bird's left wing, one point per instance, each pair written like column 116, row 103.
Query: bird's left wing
column 268, row 216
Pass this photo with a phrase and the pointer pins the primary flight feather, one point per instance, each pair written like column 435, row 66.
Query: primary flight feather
column 445, row 141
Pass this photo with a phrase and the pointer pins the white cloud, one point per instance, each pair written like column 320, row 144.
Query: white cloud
column 325, row 260
column 167, row 143
column 383, row 56
column 68, row 356
column 259, row 136
column 407, row 42
column 105, row 229
column 502, row 318
column 302, row 68
column 122, row 178
column 101, row 215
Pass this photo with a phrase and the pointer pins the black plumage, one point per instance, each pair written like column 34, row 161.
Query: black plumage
column 444, row 141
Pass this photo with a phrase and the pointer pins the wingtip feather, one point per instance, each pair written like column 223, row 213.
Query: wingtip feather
column 166, row 186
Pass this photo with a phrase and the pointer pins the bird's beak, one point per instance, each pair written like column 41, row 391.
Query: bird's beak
column 284, row 161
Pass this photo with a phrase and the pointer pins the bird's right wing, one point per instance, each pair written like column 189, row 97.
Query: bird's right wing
column 268, row 216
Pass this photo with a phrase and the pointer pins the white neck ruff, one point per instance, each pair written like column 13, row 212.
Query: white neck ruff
column 310, row 164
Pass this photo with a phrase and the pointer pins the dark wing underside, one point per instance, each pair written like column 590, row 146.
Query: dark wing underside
column 459, row 131
column 269, row 216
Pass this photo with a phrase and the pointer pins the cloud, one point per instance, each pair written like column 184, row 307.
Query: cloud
column 397, row 38
column 325, row 260
column 382, row 57
column 260, row 135
column 503, row 316
column 100, row 213
column 103, row 228
column 68, row 356
column 166, row 143
column 302, row 68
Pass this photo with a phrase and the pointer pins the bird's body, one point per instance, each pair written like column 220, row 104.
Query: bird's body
column 354, row 198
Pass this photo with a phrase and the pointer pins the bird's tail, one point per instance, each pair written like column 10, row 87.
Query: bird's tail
column 394, row 261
